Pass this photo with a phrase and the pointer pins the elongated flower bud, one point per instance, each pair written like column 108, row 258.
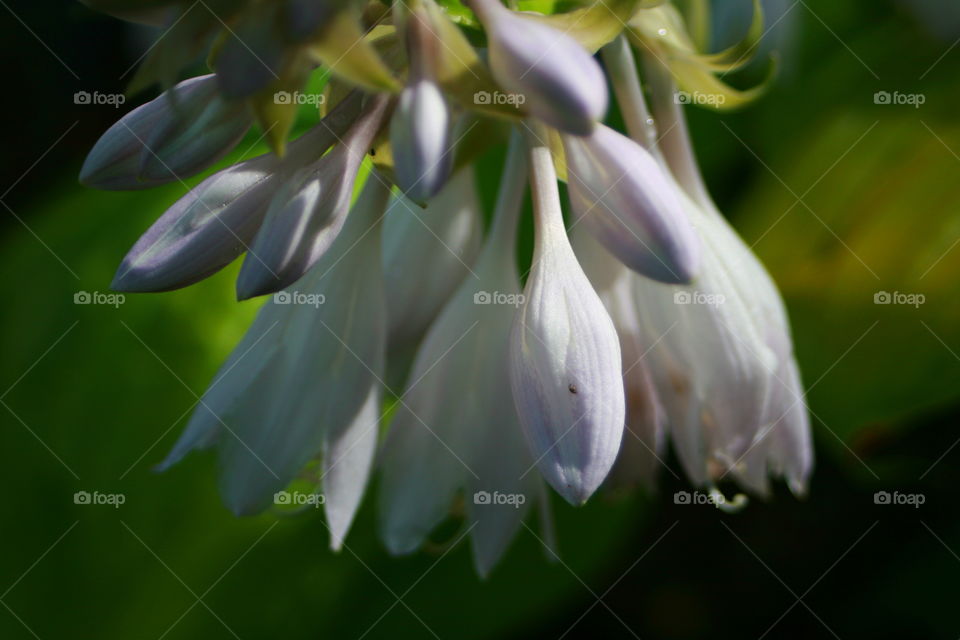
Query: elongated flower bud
column 420, row 128
column 559, row 80
column 217, row 220
column 565, row 357
column 202, row 232
column 172, row 137
column 419, row 137
column 624, row 197
column 306, row 215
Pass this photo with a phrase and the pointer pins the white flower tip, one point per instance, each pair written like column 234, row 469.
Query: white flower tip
column 798, row 487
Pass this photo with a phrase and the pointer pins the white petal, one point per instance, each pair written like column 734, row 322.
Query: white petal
column 347, row 461
column 427, row 253
column 239, row 373
column 456, row 428
column 330, row 356
column 722, row 345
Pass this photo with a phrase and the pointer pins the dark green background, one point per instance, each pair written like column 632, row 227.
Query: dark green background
column 842, row 198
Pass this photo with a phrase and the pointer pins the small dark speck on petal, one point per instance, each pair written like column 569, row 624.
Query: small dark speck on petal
column 572, row 388
column 373, row 152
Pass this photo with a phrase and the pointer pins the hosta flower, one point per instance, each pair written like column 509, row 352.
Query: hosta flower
column 456, row 429
column 304, row 381
column 659, row 328
column 565, row 357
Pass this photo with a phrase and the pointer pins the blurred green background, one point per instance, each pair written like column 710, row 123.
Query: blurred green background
column 841, row 197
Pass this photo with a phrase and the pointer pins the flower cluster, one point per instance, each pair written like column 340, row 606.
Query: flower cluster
column 648, row 318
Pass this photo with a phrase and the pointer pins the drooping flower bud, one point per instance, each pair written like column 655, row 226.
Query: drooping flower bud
column 420, row 140
column 172, row 137
column 217, row 220
column 565, row 356
column 627, row 200
column 558, row 80
column 307, row 213
column 420, row 127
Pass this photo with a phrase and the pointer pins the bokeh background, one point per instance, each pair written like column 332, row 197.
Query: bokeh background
column 843, row 199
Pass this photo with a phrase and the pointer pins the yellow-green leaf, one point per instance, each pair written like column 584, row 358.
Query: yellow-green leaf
column 597, row 24
column 344, row 48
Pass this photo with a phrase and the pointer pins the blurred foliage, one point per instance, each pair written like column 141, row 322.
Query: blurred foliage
column 108, row 389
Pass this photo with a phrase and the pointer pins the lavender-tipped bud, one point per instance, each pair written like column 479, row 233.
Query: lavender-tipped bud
column 559, row 80
column 631, row 205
